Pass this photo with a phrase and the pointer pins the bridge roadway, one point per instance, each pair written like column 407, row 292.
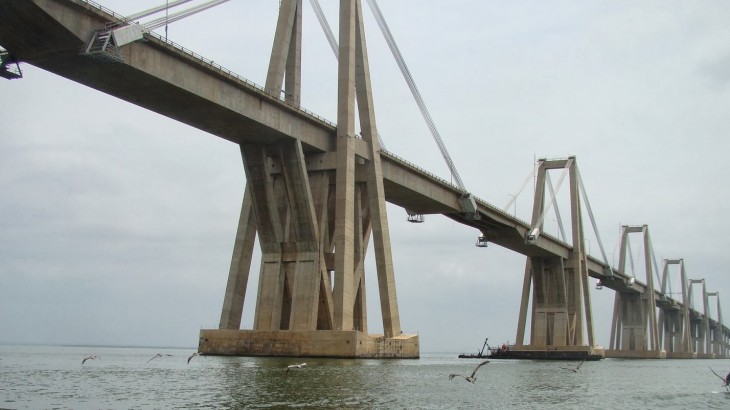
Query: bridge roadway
column 166, row 78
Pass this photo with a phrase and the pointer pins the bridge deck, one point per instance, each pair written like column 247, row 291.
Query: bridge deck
column 170, row 80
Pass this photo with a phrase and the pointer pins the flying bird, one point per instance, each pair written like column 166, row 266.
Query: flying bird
column 90, row 357
column 295, row 366
column 575, row 369
column 471, row 379
column 191, row 356
column 158, row 355
column 725, row 380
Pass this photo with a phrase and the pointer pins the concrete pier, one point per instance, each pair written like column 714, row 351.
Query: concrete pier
column 318, row 343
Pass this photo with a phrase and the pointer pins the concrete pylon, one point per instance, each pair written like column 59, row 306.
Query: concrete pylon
column 634, row 332
column 716, row 345
column 561, row 309
column 674, row 323
column 700, row 322
column 314, row 214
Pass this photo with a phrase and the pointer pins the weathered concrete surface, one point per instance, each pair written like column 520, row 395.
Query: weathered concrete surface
column 319, row 343
column 681, row 355
column 636, row 354
column 547, row 351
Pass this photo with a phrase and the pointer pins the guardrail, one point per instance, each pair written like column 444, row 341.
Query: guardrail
column 212, row 65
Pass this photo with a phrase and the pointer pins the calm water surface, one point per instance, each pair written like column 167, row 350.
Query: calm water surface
column 35, row 377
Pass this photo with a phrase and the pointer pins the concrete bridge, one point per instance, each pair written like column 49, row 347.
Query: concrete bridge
column 316, row 194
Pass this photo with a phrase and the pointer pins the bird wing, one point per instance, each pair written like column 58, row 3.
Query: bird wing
column 477, row 368
column 191, row 356
column 154, row 357
column 452, row 375
column 580, row 364
column 715, row 373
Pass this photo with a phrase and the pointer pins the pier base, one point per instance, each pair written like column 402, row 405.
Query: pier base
column 318, row 343
column 636, row 354
column 533, row 352
column 681, row 355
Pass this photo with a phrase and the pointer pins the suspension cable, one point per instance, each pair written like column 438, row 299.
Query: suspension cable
column 159, row 22
column 414, row 91
column 590, row 215
column 522, row 187
column 157, row 9
column 656, row 267
column 325, row 27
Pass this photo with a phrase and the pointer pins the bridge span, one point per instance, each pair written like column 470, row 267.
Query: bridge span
column 312, row 282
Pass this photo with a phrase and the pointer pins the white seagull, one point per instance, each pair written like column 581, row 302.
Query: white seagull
column 158, row 355
column 471, row 379
column 90, row 357
column 191, row 356
column 295, row 366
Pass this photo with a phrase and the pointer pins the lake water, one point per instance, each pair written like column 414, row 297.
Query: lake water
column 50, row 377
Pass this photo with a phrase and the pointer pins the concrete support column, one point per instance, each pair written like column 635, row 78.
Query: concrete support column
column 561, row 310
column 634, row 330
column 285, row 62
column 345, row 174
column 240, row 266
column 314, row 219
column 375, row 190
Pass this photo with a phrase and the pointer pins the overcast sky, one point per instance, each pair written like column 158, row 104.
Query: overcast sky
column 117, row 224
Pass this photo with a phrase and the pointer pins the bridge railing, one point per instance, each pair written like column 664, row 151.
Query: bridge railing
column 211, row 64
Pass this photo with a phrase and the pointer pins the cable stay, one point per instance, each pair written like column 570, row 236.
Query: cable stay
column 535, row 231
column 582, row 189
column 159, row 22
column 325, row 27
column 154, row 10
column 467, row 201
column 557, row 211
column 413, row 217
column 104, row 43
column 522, row 187
column 414, row 90
column 335, row 48
column 631, row 257
column 656, row 266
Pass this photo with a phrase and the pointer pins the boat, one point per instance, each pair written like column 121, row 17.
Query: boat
column 506, row 351
column 480, row 353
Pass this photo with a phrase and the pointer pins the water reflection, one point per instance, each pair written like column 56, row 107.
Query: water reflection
column 264, row 382
column 54, row 378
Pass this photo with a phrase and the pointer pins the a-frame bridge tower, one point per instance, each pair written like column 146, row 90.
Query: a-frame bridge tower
column 314, row 214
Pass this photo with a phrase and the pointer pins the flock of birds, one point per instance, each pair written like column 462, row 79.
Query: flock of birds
column 159, row 355
column 472, row 378
column 94, row 357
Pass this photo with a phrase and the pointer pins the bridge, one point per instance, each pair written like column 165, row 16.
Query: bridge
column 316, row 194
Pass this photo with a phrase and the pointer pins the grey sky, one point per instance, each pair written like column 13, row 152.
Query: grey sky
column 117, row 224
